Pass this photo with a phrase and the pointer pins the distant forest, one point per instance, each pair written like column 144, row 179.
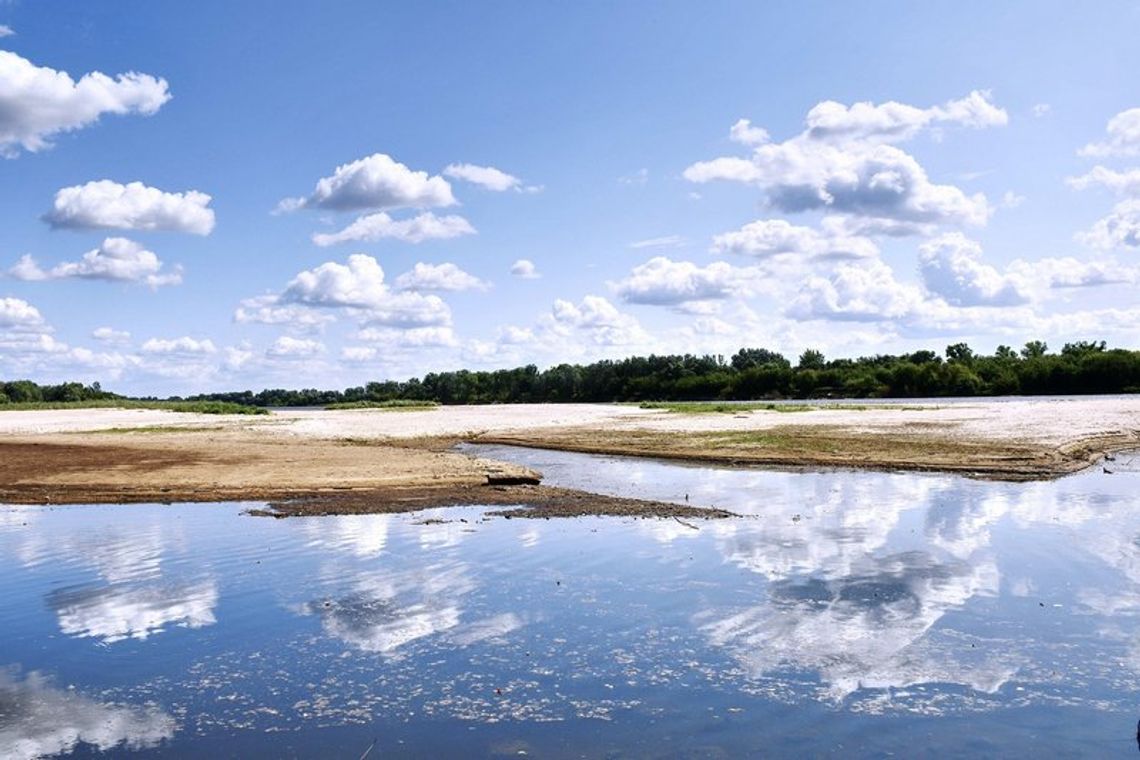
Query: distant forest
column 1083, row 367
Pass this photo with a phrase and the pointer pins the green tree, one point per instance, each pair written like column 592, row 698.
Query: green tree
column 811, row 359
column 1034, row 349
column 960, row 353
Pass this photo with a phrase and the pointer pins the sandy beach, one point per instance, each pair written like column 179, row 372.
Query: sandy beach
column 402, row 459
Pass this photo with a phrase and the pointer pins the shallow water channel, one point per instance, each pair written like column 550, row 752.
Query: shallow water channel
column 847, row 613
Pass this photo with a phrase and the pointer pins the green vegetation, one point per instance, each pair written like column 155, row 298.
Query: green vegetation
column 756, row 373
column 723, row 407
column 193, row 407
column 1083, row 367
column 391, row 405
column 156, row 429
column 20, row 395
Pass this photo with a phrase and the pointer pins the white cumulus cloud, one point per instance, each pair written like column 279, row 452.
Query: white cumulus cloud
column 37, row 103
column 375, row 182
column 525, row 269
column 775, row 237
column 359, row 285
column 17, row 314
column 1120, row 182
column 1120, row 229
column 866, row 292
column 447, row 277
column 373, row 227
column 951, row 267
column 116, row 259
column 110, row 335
column 184, row 345
column 845, row 162
column 663, row 281
column 1123, row 137
column 105, row 204
column 286, row 347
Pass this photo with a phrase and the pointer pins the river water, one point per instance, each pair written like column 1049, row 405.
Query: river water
column 846, row 613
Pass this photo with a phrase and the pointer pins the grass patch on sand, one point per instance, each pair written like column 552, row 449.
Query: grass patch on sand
column 395, row 405
column 191, row 407
column 153, row 429
column 736, row 407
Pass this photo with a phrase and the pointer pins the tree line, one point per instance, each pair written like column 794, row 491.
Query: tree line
column 1083, row 367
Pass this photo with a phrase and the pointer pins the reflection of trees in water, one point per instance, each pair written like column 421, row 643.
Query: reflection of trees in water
column 38, row 719
column 119, row 611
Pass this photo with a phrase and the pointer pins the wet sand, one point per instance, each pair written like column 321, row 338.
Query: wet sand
column 316, row 461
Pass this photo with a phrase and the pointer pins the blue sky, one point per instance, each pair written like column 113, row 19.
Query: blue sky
column 909, row 175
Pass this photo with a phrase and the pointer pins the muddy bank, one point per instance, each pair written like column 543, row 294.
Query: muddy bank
column 102, row 468
column 524, row 501
column 296, row 476
column 923, row 449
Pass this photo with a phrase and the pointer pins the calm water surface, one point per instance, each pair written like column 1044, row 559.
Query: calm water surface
column 848, row 614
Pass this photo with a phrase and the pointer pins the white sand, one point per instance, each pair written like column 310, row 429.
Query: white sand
column 1050, row 421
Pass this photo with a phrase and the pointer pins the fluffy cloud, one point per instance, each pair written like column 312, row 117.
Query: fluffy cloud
column 117, row 259
column 1122, row 183
column 1068, row 272
column 16, row 314
column 294, row 348
column 487, row 177
column 446, row 277
column 110, row 335
column 663, row 281
column 37, row 102
column 743, row 132
column 952, row 268
column 599, row 320
column 359, row 285
column 894, row 122
column 857, row 293
column 525, row 269
column 267, row 310
column 1123, row 137
column 375, row 182
column 373, row 227
column 184, row 346
column 1120, row 229
column 844, row 162
column 775, row 237
column 106, row 204
column 6, row 31
column 416, row 337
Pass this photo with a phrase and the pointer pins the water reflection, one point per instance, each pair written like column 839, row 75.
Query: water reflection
column 131, row 597
column 862, row 579
column 383, row 611
column 865, row 629
column 115, row 612
column 39, row 719
column 840, row 596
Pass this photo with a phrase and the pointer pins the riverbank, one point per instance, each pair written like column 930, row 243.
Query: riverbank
column 402, row 460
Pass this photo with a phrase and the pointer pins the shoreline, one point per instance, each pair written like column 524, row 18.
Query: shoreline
column 318, row 462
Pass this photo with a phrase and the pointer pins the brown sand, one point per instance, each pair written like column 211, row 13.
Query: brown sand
column 325, row 461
